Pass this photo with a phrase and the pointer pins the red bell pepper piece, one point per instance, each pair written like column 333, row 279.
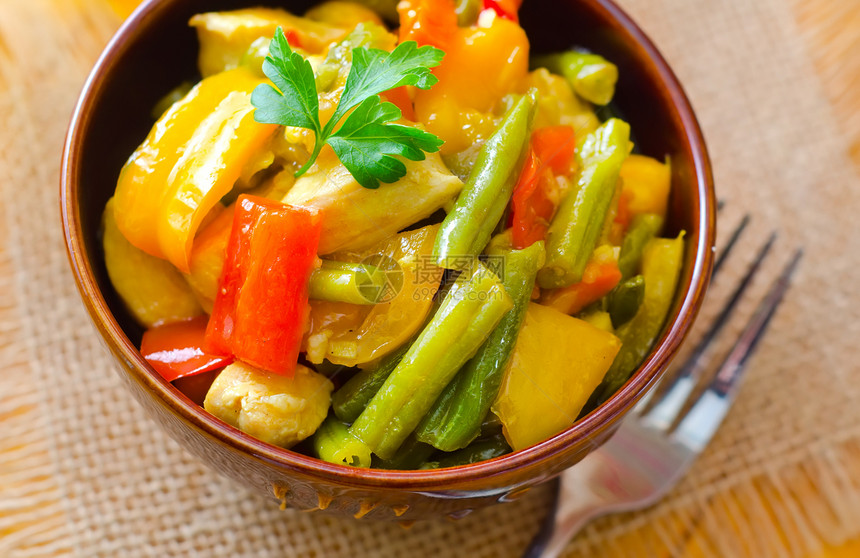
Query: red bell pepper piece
column 531, row 204
column 261, row 308
column 536, row 193
column 555, row 147
column 293, row 38
column 196, row 387
column 624, row 216
column 504, row 8
column 176, row 350
column 621, row 222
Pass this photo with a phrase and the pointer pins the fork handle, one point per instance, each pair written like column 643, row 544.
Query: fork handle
column 574, row 505
column 555, row 533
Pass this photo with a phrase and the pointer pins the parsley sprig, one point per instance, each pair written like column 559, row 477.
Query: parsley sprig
column 366, row 142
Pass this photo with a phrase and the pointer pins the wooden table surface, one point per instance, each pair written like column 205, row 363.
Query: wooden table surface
column 831, row 30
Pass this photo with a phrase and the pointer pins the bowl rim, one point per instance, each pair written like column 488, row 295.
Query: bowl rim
column 214, row 429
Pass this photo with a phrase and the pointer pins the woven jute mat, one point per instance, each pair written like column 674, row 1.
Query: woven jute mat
column 83, row 472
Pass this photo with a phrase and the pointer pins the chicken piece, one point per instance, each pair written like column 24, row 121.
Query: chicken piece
column 279, row 410
column 225, row 37
column 345, row 15
column 558, row 361
column 355, row 217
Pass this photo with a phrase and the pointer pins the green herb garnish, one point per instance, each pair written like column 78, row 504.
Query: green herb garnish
column 366, row 141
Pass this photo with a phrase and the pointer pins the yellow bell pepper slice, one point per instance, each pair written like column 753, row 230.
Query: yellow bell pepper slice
column 207, row 257
column 152, row 290
column 647, row 183
column 556, row 364
column 225, row 37
column 482, row 64
column 192, row 157
column 350, row 334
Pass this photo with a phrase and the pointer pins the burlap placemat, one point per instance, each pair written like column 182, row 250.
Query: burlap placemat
column 83, row 472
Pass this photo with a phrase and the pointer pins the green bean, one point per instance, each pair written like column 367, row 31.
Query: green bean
column 334, row 443
column 480, row 450
column 468, row 227
column 469, row 312
column 661, row 267
column 491, row 426
column 412, row 454
column 351, row 399
column 346, row 282
column 591, row 76
column 575, row 230
column 455, row 419
column 624, row 301
column 643, row 228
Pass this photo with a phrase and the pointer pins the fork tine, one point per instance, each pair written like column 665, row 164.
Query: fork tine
column 704, row 417
column 736, row 234
column 665, row 404
column 724, row 314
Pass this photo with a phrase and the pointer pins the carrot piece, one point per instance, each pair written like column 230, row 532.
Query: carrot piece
column 599, row 278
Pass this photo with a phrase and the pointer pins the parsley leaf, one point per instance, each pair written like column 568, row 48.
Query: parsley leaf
column 297, row 103
column 367, row 141
column 375, row 71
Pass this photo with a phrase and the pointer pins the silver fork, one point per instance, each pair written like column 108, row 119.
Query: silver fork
column 666, row 431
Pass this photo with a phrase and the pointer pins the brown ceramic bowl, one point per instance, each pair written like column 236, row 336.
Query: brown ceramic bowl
column 155, row 50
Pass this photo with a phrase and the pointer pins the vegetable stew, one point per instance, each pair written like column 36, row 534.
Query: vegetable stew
column 386, row 234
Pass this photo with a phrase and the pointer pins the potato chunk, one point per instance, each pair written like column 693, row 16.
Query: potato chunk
column 647, row 183
column 275, row 409
column 152, row 290
column 557, row 362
